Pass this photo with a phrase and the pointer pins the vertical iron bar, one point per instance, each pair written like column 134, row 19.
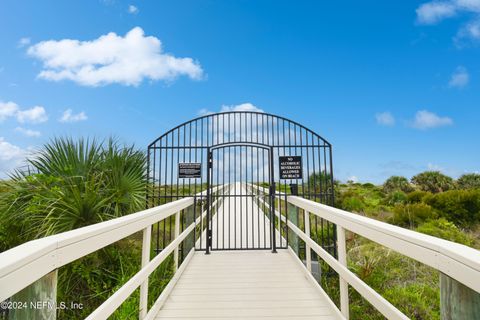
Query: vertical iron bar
column 224, row 191
column 235, row 187
column 250, row 196
column 272, row 203
column 328, row 223
column 159, row 188
column 332, row 203
column 246, row 199
column 202, row 156
column 207, row 240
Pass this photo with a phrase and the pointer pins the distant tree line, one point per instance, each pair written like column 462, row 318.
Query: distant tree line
column 432, row 181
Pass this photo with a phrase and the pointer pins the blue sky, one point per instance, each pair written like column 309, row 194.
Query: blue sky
column 393, row 85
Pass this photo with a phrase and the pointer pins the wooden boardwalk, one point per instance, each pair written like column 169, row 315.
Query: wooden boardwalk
column 238, row 222
column 245, row 285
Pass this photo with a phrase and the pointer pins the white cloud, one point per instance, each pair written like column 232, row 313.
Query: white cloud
column 233, row 121
column 427, row 120
column 241, row 107
column 449, row 171
column 227, row 108
column 470, row 31
column 132, row 9
column 28, row 132
column 435, row 167
column 23, row 42
column 460, row 78
column 110, row 59
column 68, row 116
column 435, row 11
column 9, row 151
column 204, row 112
column 11, row 156
column 385, row 119
column 36, row 114
column 470, row 5
column 7, row 109
column 354, row 179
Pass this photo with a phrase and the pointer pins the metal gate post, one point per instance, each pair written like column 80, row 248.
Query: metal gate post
column 209, row 202
column 272, row 204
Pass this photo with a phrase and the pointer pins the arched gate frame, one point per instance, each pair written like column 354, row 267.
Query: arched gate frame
column 230, row 163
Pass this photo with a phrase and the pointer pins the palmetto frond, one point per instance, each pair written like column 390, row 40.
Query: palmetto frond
column 76, row 183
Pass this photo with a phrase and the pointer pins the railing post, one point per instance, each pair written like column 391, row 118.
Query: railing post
column 292, row 217
column 177, row 232
column 41, row 293
column 147, row 236
column 457, row 301
column 342, row 258
column 308, row 251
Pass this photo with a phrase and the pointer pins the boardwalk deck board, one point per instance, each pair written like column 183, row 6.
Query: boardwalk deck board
column 245, row 285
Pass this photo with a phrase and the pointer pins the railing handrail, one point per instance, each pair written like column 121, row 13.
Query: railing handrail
column 115, row 300
column 458, row 261
column 455, row 260
column 28, row 262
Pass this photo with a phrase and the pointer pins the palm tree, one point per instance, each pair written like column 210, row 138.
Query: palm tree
column 469, row 181
column 397, row 183
column 433, row 181
column 76, row 183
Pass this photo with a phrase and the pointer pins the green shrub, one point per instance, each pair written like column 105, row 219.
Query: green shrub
column 417, row 301
column 320, row 181
column 462, row 207
column 409, row 285
column 411, row 215
column 433, row 181
column 396, row 197
column 469, row 181
column 396, row 183
column 442, row 228
column 416, row 196
column 352, row 203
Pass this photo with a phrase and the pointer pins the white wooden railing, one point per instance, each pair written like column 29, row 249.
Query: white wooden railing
column 29, row 262
column 457, row 261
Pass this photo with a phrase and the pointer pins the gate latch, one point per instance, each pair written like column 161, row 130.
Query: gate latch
column 210, row 160
column 272, row 189
column 209, row 238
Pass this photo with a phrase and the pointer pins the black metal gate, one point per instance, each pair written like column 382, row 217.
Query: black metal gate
column 243, row 221
column 237, row 156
